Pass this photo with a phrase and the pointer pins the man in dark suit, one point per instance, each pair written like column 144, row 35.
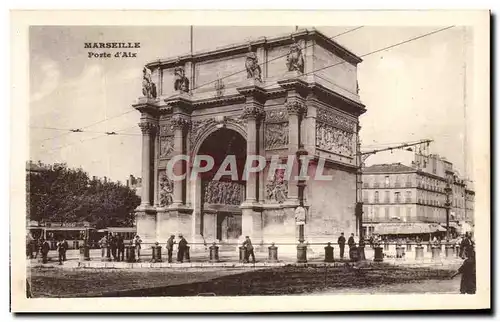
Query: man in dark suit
column 182, row 248
column 120, row 245
column 248, row 249
column 170, row 247
column 341, row 242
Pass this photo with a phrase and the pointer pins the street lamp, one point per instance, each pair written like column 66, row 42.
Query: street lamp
column 300, row 212
column 447, row 190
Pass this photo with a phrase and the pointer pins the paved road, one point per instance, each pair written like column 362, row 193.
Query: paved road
column 426, row 286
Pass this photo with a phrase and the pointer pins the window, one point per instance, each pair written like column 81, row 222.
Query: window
column 376, row 197
column 397, row 197
column 386, row 212
column 387, row 197
column 387, row 181
column 408, row 196
column 397, row 182
column 408, row 212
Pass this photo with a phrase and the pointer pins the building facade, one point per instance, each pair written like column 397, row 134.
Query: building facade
column 416, row 194
column 274, row 97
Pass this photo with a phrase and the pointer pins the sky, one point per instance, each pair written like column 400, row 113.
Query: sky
column 414, row 91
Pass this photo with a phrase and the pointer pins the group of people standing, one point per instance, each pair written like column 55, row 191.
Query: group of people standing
column 182, row 249
column 116, row 243
column 41, row 246
column 350, row 242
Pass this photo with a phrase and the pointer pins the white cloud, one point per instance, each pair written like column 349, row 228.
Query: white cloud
column 50, row 80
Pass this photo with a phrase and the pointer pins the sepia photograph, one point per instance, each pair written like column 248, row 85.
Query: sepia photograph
column 296, row 159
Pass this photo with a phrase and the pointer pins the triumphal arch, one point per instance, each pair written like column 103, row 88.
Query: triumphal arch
column 283, row 97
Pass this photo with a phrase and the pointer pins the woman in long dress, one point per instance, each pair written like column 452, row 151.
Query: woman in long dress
column 468, row 271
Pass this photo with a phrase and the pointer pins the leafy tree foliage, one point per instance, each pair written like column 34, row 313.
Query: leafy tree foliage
column 57, row 193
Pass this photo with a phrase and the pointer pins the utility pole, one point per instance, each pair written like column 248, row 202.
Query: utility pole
column 362, row 156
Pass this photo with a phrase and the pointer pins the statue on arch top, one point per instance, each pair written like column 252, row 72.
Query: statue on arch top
column 148, row 87
column 181, row 82
column 252, row 65
column 294, row 59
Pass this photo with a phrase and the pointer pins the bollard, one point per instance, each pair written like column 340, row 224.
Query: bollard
column 187, row 256
column 242, row 253
column 379, row 254
column 429, row 247
column 273, row 253
column 156, row 253
column 386, row 245
column 449, row 251
column 419, row 252
column 301, row 253
column 408, row 247
column 435, row 252
column 361, row 253
column 214, row 253
column 329, row 253
column 399, row 251
column 84, row 252
column 353, row 254
column 130, row 253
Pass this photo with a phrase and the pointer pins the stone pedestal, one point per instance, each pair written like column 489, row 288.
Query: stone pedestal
column 301, row 253
column 449, row 251
column 329, row 253
column 379, row 254
column 435, row 253
column 419, row 252
column 273, row 253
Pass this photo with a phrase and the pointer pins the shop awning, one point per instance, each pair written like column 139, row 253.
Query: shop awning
column 452, row 225
column 406, row 228
column 118, row 230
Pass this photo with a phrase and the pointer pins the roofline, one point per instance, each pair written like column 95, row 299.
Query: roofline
column 242, row 47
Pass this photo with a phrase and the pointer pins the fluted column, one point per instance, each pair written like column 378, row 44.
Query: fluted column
column 254, row 113
column 180, row 124
column 295, row 109
column 148, row 129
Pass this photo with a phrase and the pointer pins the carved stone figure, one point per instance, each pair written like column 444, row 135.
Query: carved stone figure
column 252, row 66
column 294, row 59
column 327, row 116
column 332, row 139
column 166, row 146
column 276, row 136
column 181, row 82
column 277, row 189
column 166, row 190
column 224, row 193
column 148, row 87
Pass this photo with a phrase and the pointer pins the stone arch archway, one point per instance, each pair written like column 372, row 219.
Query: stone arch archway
column 217, row 202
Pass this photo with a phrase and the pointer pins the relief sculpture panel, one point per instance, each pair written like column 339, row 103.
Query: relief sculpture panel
column 276, row 136
column 166, row 146
column 332, row 139
column 166, row 189
column 224, row 193
column 277, row 188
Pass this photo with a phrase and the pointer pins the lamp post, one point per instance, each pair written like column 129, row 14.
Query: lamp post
column 447, row 190
column 300, row 212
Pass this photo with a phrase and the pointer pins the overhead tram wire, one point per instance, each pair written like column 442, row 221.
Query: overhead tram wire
column 342, row 62
column 87, row 126
column 83, row 131
column 89, row 139
column 199, row 86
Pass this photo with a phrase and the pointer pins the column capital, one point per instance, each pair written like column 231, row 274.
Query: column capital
column 148, row 127
column 180, row 121
column 253, row 93
column 295, row 107
column 253, row 111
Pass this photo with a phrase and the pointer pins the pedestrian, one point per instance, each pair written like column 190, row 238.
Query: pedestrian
column 170, row 247
column 341, row 242
column 248, row 249
column 137, row 245
column 44, row 249
column 120, row 245
column 60, row 251
column 466, row 245
column 113, row 244
column 65, row 249
column 468, row 271
column 104, row 244
column 351, row 243
column 181, row 249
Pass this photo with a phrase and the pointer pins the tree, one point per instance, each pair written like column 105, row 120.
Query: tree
column 60, row 194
